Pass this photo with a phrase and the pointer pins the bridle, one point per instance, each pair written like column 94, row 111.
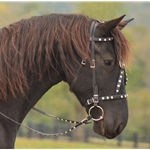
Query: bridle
column 93, row 102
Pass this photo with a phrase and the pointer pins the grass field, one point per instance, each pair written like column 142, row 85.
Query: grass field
column 38, row 143
column 33, row 143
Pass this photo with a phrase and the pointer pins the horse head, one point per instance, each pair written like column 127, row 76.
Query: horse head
column 100, row 83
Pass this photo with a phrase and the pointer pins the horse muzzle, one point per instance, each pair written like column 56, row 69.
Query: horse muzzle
column 109, row 132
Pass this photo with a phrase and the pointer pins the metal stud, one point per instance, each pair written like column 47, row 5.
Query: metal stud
column 117, row 91
column 112, row 97
column 107, row 97
column 101, row 21
column 93, row 64
column 100, row 39
column 83, row 63
column 103, row 98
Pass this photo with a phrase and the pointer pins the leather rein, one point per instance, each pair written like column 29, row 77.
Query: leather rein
column 93, row 102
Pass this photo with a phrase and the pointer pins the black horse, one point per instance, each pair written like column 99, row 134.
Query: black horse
column 37, row 53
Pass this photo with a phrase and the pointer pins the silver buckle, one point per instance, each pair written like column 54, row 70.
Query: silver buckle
column 101, row 21
column 122, row 65
column 83, row 62
column 93, row 64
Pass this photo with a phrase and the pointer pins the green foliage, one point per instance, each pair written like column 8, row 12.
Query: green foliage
column 8, row 15
column 136, row 76
column 101, row 10
column 139, row 110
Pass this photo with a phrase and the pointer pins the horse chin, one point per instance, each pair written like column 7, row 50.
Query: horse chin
column 99, row 129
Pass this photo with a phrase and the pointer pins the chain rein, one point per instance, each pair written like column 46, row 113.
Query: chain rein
column 77, row 124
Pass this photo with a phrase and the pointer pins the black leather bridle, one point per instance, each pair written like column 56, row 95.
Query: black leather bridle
column 93, row 102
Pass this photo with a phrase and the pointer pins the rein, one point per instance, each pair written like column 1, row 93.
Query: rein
column 77, row 124
column 92, row 102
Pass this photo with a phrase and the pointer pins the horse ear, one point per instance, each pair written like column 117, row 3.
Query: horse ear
column 111, row 24
column 122, row 24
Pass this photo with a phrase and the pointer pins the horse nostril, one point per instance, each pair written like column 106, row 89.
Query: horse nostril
column 119, row 128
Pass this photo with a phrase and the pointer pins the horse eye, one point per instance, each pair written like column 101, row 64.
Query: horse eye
column 108, row 62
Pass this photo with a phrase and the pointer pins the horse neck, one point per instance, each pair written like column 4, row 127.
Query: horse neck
column 17, row 108
column 38, row 89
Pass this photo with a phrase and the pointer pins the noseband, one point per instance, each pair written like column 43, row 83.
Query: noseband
column 93, row 102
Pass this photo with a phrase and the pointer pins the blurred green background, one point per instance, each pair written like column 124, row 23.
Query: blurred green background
column 138, row 33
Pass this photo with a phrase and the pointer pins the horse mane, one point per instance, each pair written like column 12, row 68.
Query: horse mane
column 121, row 46
column 29, row 47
